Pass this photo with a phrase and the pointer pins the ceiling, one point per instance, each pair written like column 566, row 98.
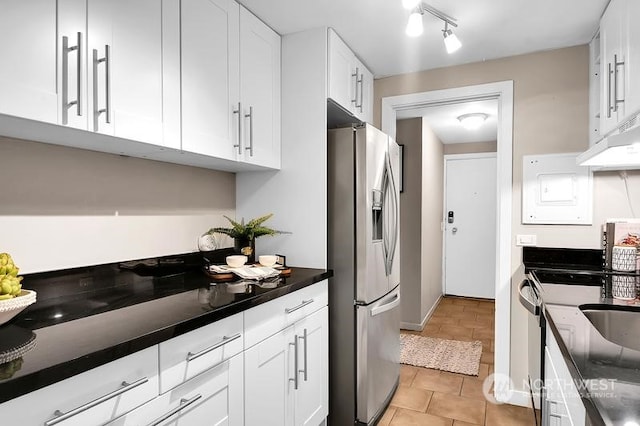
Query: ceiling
column 443, row 120
column 488, row 29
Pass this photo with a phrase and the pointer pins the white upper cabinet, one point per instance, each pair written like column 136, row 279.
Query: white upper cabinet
column 350, row 82
column 124, row 52
column 620, row 55
column 230, row 83
column 260, row 91
column 28, row 44
column 210, row 77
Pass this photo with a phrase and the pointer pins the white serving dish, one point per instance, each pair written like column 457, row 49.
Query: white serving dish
column 11, row 307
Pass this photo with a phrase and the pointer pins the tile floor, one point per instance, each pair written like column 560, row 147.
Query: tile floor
column 431, row 397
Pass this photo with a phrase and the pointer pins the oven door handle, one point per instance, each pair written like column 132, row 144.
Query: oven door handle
column 532, row 306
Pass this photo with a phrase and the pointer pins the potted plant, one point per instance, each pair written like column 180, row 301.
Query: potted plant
column 244, row 234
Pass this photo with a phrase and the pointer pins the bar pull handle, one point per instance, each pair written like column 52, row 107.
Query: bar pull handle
column 66, row 104
column 237, row 111
column 616, row 66
column 304, row 351
column 60, row 416
column 191, row 356
column 184, row 403
column 106, row 59
column 250, row 117
column 355, row 83
column 360, row 82
column 300, row 306
column 295, row 362
column 609, row 74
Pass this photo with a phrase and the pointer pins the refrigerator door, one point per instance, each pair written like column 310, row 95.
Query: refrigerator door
column 371, row 159
column 378, row 354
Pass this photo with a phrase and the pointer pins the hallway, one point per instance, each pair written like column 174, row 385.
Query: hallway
column 438, row 398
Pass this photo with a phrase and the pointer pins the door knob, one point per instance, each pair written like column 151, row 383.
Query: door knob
column 454, row 230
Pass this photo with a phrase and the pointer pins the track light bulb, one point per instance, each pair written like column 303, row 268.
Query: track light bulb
column 414, row 26
column 451, row 42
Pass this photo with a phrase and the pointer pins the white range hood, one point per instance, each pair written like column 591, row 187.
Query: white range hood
column 615, row 152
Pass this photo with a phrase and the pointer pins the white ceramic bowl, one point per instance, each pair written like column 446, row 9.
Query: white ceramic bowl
column 236, row 260
column 11, row 307
column 267, row 259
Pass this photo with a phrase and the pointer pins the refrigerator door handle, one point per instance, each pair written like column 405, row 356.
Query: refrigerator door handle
column 391, row 187
column 395, row 301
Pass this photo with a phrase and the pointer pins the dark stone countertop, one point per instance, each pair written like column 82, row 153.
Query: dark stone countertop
column 87, row 317
column 608, row 374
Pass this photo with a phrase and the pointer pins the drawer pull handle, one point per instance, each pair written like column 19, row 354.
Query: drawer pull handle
column 191, row 356
column 184, row 403
column 300, row 306
column 60, row 416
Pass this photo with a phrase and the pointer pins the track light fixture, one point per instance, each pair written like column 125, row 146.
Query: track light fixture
column 415, row 27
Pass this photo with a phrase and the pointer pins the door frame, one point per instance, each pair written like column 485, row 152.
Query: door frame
column 503, row 92
column 449, row 157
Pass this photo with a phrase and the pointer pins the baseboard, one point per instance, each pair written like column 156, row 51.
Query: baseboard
column 520, row 398
column 419, row 327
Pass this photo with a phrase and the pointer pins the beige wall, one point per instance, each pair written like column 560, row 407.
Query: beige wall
column 468, row 148
column 432, row 200
column 64, row 207
column 420, row 218
column 409, row 133
column 550, row 116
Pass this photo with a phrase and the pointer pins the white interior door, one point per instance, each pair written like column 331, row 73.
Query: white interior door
column 470, row 225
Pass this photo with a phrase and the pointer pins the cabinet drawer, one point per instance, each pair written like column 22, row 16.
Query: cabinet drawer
column 271, row 317
column 90, row 398
column 214, row 397
column 192, row 353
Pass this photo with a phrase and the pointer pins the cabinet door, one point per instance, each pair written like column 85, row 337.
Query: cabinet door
column 269, row 380
column 125, row 68
column 28, row 44
column 210, row 77
column 214, row 397
column 632, row 59
column 342, row 78
column 312, row 396
column 611, row 111
column 259, row 91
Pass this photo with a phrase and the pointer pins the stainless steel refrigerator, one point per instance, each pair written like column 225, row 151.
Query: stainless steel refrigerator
column 364, row 293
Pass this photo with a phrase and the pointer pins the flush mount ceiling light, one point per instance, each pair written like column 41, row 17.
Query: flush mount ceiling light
column 415, row 28
column 472, row 121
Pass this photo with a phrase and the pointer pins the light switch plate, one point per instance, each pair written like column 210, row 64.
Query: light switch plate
column 526, row 240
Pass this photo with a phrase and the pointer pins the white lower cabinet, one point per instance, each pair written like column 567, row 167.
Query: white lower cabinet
column 91, row 398
column 286, row 375
column 214, row 397
column 563, row 405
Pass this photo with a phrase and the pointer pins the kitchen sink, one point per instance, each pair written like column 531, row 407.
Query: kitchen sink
column 617, row 324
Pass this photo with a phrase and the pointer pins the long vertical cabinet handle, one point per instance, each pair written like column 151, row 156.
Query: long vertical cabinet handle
column 616, row 66
column 250, row 117
column 355, row 83
column 295, row 362
column 609, row 75
column 237, row 111
column 361, row 82
column 304, row 351
column 106, row 59
column 66, row 49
